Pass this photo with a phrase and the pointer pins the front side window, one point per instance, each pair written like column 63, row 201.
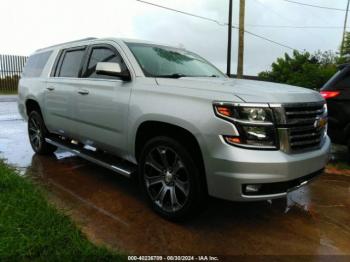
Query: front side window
column 161, row 61
column 71, row 63
column 36, row 64
column 102, row 54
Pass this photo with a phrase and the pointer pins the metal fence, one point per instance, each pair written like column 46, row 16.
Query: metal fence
column 11, row 67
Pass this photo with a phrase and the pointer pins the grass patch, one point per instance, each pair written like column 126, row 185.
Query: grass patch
column 32, row 229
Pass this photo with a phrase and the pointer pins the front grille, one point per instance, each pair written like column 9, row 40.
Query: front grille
column 301, row 126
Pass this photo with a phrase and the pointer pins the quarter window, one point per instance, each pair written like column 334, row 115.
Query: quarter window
column 102, row 54
column 71, row 63
column 343, row 82
column 36, row 64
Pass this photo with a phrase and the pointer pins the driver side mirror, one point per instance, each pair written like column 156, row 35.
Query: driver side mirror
column 112, row 69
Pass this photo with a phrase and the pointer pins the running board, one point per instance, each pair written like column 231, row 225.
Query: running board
column 113, row 163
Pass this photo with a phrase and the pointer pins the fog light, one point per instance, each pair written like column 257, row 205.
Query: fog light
column 252, row 188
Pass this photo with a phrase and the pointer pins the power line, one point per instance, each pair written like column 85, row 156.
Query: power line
column 296, row 27
column 269, row 40
column 292, row 22
column 219, row 23
column 267, row 7
column 182, row 12
column 315, row 6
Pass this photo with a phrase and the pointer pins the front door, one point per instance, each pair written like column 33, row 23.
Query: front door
column 102, row 103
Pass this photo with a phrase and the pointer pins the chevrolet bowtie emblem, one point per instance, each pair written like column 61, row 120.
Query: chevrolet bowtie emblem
column 320, row 123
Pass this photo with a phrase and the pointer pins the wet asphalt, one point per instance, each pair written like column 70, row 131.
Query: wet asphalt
column 314, row 220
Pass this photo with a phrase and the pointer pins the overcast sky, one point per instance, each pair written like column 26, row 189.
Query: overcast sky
column 27, row 25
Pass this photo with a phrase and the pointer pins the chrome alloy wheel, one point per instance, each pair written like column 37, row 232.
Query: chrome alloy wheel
column 166, row 178
column 35, row 133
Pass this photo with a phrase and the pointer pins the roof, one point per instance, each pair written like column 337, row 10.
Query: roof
column 89, row 39
column 70, row 42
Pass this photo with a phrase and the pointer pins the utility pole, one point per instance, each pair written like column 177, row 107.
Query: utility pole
column 345, row 24
column 241, row 39
column 229, row 41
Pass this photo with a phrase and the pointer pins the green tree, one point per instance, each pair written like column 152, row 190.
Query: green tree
column 303, row 69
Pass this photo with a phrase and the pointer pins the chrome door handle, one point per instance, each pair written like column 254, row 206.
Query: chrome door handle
column 50, row 88
column 83, row 92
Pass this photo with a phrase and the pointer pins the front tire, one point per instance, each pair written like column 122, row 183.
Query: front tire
column 170, row 178
column 37, row 133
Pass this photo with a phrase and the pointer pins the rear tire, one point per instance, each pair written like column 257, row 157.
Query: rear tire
column 170, row 179
column 37, row 133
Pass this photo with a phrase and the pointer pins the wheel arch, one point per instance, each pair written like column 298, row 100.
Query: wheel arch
column 152, row 128
column 149, row 129
column 32, row 105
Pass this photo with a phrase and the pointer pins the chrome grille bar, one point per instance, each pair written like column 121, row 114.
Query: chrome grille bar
column 319, row 111
column 299, row 126
column 304, row 136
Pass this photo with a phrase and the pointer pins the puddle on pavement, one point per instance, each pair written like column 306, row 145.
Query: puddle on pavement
column 110, row 210
column 313, row 220
column 14, row 144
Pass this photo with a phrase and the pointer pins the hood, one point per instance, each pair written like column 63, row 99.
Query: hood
column 247, row 90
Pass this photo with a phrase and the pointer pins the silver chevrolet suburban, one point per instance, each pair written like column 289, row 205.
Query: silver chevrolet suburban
column 173, row 120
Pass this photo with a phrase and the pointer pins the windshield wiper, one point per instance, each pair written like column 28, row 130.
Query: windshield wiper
column 172, row 76
column 177, row 75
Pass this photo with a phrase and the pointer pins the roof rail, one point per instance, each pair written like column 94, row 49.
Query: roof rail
column 70, row 42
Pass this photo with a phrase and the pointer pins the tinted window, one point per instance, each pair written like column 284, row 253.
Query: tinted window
column 340, row 80
column 102, row 54
column 343, row 83
column 71, row 63
column 36, row 64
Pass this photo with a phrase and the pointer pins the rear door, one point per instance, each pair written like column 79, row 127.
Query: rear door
column 102, row 102
column 60, row 91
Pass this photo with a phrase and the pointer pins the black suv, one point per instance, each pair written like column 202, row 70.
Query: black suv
column 337, row 93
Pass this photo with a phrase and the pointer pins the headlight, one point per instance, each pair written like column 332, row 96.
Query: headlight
column 254, row 114
column 254, row 123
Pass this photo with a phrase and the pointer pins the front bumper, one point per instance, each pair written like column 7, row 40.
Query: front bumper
column 229, row 168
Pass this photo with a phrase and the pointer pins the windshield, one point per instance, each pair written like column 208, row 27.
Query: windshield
column 160, row 61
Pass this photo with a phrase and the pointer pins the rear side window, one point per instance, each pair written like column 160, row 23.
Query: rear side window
column 102, row 54
column 71, row 63
column 340, row 80
column 36, row 64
